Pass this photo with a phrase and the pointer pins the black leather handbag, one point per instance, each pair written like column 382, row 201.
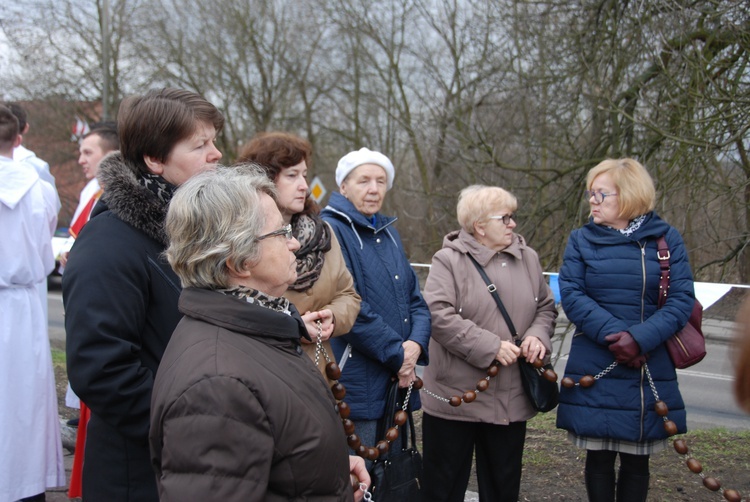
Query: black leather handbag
column 398, row 476
column 543, row 393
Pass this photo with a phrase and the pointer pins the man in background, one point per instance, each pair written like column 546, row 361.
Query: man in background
column 29, row 426
column 23, row 154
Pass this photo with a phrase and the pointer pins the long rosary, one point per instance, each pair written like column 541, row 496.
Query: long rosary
column 680, row 445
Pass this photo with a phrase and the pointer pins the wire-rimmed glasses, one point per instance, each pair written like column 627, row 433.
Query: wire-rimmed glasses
column 286, row 231
column 598, row 196
column 505, row 217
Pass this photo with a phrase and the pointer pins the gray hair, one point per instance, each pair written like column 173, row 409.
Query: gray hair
column 215, row 218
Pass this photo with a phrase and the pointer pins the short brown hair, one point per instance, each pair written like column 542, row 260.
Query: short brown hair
column 154, row 123
column 275, row 151
column 8, row 129
column 635, row 188
column 109, row 141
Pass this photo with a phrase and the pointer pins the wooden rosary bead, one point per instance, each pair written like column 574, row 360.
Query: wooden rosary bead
column 694, row 466
column 338, row 390
column 550, row 375
column 483, row 385
column 493, row 370
column 333, row 372
column 538, row 363
column 391, row 434
column 568, row 383
column 661, row 408
column 455, row 401
column 354, row 481
column 670, row 427
column 348, row 426
column 400, row 417
column 372, row 453
column 469, row 396
column 587, row 381
column 732, row 496
column 353, row 441
column 680, row 446
column 343, row 409
column 382, row 447
column 711, row 483
column 361, row 450
column 418, row 383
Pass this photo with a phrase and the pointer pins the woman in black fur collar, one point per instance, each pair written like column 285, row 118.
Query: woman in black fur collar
column 119, row 292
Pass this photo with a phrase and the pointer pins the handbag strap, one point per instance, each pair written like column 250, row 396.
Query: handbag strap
column 393, row 395
column 662, row 253
column 493, row 291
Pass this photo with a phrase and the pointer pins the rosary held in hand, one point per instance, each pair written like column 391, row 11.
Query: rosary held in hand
column 680, row 445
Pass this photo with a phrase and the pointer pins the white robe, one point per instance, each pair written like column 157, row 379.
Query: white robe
column 31, row 459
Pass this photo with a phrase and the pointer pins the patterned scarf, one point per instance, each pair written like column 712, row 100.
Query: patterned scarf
column 314, row 237
column 261, row 299
column 158, row 186
column 634, row 225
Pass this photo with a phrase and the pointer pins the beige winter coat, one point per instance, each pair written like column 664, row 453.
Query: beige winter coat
column 333, row 290
column 467, row 326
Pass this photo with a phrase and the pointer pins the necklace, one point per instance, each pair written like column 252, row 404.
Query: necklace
column 661, row 409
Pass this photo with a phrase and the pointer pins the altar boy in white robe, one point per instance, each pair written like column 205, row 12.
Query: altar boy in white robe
column 31, row 459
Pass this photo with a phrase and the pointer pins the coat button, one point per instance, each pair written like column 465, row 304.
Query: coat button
column 377, row 240
column 395, row 276
column 406, row 320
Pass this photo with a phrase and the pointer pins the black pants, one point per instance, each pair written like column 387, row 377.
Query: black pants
column 603, row 462
column 447, row 450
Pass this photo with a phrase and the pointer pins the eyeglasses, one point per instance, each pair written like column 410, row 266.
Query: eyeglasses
column 286, row 231
column 598, row 196
column 506, row 218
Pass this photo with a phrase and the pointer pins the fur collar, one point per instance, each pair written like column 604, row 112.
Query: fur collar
column 129, row 200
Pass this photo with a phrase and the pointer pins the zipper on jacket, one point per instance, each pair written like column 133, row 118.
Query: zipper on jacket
column 643, row 405
column 643, row 276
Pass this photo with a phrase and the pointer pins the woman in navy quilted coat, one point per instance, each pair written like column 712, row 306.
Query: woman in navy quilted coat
column 609, row 284
column 392, row 330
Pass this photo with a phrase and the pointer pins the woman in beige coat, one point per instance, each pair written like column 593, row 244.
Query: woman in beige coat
column 324, row 290
column 468, row 334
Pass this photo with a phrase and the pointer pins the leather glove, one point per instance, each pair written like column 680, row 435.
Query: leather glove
column 638, row 361
column 623, row 346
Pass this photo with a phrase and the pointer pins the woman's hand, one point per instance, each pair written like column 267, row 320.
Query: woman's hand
column 623, row 346
column 508, row 353
column 357, row 468
column 406, row 374
column 311, row 319
column 532, row 349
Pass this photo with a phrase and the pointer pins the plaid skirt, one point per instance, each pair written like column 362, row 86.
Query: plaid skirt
column 633, row 448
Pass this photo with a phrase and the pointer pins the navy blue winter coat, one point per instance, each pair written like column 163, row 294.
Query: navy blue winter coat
column 609, row 283
column 392, row 309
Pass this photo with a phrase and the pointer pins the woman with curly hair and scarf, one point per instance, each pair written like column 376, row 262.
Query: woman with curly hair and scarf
column 324, row 290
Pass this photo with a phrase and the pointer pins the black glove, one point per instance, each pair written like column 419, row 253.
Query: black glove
column 623, row 346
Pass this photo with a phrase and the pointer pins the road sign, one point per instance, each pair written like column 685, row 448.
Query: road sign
column 317, row 190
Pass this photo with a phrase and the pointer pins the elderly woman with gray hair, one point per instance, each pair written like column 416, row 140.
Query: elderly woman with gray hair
column 239, row 412
column 469, row 334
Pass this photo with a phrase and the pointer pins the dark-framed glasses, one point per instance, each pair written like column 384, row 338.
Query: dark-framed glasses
column 506, row 218
column 286, row 231
column 598, row 196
